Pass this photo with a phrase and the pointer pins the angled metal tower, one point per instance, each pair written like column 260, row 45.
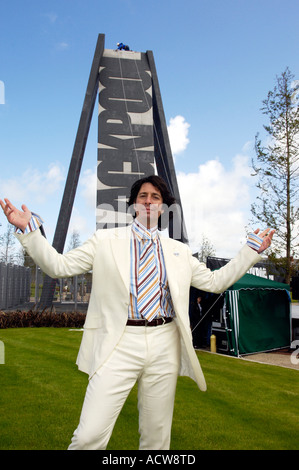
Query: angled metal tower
column 133, row 142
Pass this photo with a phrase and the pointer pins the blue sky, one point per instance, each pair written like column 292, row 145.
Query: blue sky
column 216, row 61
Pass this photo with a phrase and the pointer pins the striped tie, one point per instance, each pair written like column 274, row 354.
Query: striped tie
column 148, row 297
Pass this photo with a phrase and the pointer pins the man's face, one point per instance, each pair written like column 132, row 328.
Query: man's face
column 148, row 205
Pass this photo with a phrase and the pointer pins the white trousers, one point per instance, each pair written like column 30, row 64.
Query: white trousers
column 150, row 356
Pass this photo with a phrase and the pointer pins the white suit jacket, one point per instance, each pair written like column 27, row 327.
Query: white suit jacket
column 107, row 254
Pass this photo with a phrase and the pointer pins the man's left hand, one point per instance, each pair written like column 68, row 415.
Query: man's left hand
column 267, row 236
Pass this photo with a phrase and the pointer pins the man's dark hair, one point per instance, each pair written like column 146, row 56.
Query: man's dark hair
column 158, row 183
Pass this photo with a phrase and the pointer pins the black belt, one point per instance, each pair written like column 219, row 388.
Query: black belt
column 154, row 322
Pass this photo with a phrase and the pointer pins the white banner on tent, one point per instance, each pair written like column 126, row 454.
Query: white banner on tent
column 234, row 301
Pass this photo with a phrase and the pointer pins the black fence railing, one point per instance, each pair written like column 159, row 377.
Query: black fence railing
column 14, row 285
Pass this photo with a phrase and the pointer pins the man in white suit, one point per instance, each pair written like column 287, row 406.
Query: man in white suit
column 134, row 332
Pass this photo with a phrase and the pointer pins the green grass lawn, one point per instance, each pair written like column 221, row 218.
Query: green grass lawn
column 247, row 405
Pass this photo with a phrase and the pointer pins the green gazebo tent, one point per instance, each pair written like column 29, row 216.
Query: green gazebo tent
column 258, row 315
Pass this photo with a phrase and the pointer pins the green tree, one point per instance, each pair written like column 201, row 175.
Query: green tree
column 277, row 168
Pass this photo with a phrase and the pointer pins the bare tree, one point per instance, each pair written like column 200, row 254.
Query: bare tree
column 74, row 240
column 277, row 169
column 206, row 249
column 7, row 242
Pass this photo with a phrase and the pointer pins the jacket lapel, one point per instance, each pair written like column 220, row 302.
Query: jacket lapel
column 171, row 257
column 120, row 246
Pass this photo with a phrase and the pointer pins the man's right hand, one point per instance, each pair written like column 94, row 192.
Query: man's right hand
column 16, row 217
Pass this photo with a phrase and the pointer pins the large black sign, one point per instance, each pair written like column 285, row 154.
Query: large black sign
column 125, row 133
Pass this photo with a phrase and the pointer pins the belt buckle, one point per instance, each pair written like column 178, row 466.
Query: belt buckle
column 163, row 320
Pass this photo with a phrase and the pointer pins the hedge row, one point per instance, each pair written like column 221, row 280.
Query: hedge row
column 46, row 318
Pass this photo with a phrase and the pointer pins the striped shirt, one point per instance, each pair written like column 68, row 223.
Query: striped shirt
column 34, row 223
column 139, row 234
column 254, row 241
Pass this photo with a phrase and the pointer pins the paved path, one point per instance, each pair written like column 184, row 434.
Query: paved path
column 283, row 359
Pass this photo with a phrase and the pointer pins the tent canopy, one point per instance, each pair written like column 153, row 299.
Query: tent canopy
column 250, row 281
column 258, row 315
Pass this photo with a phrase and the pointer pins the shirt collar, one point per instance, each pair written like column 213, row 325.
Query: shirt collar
column 143, row 233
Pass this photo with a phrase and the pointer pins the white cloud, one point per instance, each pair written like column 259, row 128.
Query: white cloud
column 40, row 191
column 62, row 46
column 216, row 203
column 178, row 134
column 33, row 184
column 83, row 218
column 52, row 17
column 88, row 183
column 79, row 223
